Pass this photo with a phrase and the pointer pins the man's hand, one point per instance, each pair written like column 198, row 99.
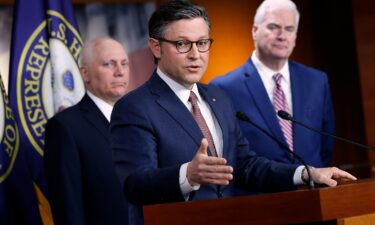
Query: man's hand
column 204, row 169
column 330, row 176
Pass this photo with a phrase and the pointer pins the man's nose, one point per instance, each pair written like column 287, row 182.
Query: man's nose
column 282, row 34
column 194, row 52
column 120, row 69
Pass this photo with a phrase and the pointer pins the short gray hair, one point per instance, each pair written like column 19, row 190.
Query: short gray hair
column 87, row 53
column 270, row 5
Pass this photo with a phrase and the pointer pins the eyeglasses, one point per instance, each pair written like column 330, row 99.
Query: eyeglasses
column 184, row 46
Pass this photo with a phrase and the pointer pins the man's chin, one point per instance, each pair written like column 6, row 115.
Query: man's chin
column 281, row 55
column 119, row 92
column 194, row 79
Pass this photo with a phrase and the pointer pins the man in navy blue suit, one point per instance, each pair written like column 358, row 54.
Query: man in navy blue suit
column 83, row 186
column 252, row 89
column 175, row 139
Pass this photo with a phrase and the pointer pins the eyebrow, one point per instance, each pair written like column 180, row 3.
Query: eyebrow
column 115, row 60
column 278, row 25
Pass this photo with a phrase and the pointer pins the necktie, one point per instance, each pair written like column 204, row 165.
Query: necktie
column 202, row 123
column 279, row 103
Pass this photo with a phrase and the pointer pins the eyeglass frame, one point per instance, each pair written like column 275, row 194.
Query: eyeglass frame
column 191, row 44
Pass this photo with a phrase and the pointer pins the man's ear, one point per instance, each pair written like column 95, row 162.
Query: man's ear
column 155, row 47
column 84, row 73
column 254, row 31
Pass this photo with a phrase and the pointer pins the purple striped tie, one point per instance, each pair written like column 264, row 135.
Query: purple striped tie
column 279, row 103
column 202, row 123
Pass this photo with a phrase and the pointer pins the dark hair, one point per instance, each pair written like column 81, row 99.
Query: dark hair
column 172, row 11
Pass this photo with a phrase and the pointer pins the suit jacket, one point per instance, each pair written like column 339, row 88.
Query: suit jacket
column 153, row 134
column 312, row 105
column 83, row 185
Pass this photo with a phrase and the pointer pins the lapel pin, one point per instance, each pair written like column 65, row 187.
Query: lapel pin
column 214, row 99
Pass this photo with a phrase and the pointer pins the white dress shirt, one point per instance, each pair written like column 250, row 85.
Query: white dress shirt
column 266, row 74
column 103, row 106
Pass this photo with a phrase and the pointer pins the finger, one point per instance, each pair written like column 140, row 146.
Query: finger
column 217, row 176
column 340, row 174
column 223, row 182
column 203, row 147
column 211, row 160
column 328, row 181
column 347, row 176
column 324, row 176
column 217, row 168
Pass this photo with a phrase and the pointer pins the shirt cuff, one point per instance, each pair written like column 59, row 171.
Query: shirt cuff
column 185, row 186
column 297, row 176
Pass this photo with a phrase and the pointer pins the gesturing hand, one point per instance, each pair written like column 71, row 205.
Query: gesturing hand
column 330, row 176
column 204, row 169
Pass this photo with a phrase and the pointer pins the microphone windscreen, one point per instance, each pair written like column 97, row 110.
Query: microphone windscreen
column 242, row 116
column 284, row 115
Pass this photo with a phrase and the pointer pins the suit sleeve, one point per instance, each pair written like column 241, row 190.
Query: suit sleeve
column 62, row 166
column 254, row 172
column 135, row 153
column 328, row 126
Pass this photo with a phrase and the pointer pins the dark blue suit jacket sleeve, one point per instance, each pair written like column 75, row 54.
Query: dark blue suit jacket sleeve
column 134, row 144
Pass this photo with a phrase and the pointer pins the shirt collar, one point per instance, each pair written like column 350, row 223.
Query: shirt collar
column 267, row 72
column 103, row 106
column 181, row 91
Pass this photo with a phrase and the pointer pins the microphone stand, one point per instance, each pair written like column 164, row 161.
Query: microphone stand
column 242, row 116
column 286, row 116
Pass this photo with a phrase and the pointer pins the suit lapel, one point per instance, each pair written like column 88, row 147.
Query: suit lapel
column 168, row 100
column 262, row 102
column 212, row 100
column 94, row 116
column 298, row 96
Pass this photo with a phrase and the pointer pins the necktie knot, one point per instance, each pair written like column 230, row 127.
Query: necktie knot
column 193, row 98
column 277, row 78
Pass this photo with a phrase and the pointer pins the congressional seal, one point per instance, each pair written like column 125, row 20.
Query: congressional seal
column 48, row 78
column 9, row 136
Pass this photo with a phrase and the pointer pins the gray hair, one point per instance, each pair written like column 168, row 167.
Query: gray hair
column 87, row 53
column 271, row 5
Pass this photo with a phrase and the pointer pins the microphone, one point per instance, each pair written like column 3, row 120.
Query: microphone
column 286, row 116
column 242, row 116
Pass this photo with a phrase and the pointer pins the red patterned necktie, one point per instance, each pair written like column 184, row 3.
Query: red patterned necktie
column 279, row 103
column 202, row 123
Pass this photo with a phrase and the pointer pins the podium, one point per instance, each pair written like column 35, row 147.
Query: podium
column 301, row 206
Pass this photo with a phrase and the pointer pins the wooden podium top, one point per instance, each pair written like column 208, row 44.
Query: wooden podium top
column 301, row 206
